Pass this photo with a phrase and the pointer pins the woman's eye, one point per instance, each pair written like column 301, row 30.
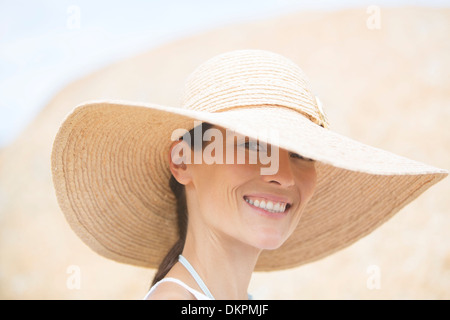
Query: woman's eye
column 297, row 156
column 253, row 146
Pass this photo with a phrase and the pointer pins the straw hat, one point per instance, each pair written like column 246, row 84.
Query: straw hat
column 110, row 163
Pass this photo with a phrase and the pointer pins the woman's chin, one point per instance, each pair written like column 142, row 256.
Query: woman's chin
column 269, row 241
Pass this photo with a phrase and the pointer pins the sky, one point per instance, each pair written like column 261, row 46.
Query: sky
column 46, row 44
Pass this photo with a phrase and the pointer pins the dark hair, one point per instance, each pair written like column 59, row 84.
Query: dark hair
column 182, row 214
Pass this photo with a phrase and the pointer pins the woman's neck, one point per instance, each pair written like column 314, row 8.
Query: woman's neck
column 223, row 263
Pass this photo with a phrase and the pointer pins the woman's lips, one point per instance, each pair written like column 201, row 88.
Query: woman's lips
column 269, row 197
column 269, row 209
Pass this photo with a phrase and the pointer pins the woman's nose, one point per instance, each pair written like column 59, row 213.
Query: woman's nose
column 284, row 175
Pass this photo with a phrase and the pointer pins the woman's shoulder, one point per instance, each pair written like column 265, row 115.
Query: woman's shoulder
column 169, row 289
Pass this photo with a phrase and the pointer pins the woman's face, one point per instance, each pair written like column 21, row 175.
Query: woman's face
column 228, row 197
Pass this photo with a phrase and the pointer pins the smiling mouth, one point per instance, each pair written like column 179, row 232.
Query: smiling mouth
column 268, row 205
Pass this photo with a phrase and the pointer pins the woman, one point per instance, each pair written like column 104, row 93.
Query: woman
column 206, row 204
column 244, row 213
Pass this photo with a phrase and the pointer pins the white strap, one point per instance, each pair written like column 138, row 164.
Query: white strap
column 195, row 293
column 195, row 275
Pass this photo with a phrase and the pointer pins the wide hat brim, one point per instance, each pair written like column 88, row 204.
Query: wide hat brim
column 110, row 166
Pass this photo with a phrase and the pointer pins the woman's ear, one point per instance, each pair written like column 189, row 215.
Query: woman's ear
column 179, row 157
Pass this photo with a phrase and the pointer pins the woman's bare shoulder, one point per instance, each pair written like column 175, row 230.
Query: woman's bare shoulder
column 170, row 291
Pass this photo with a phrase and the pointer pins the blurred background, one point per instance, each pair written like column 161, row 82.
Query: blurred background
column 382, row 72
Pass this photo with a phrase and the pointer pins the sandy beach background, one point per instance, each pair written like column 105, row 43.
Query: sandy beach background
column 384, row 80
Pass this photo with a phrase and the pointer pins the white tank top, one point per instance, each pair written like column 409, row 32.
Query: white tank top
column 198, row 295
column 206, row 295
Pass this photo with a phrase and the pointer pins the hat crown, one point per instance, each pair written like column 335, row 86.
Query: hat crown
column 251, row 78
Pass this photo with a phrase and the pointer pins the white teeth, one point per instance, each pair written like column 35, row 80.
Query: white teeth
column 268, row 206
column 262, row 204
